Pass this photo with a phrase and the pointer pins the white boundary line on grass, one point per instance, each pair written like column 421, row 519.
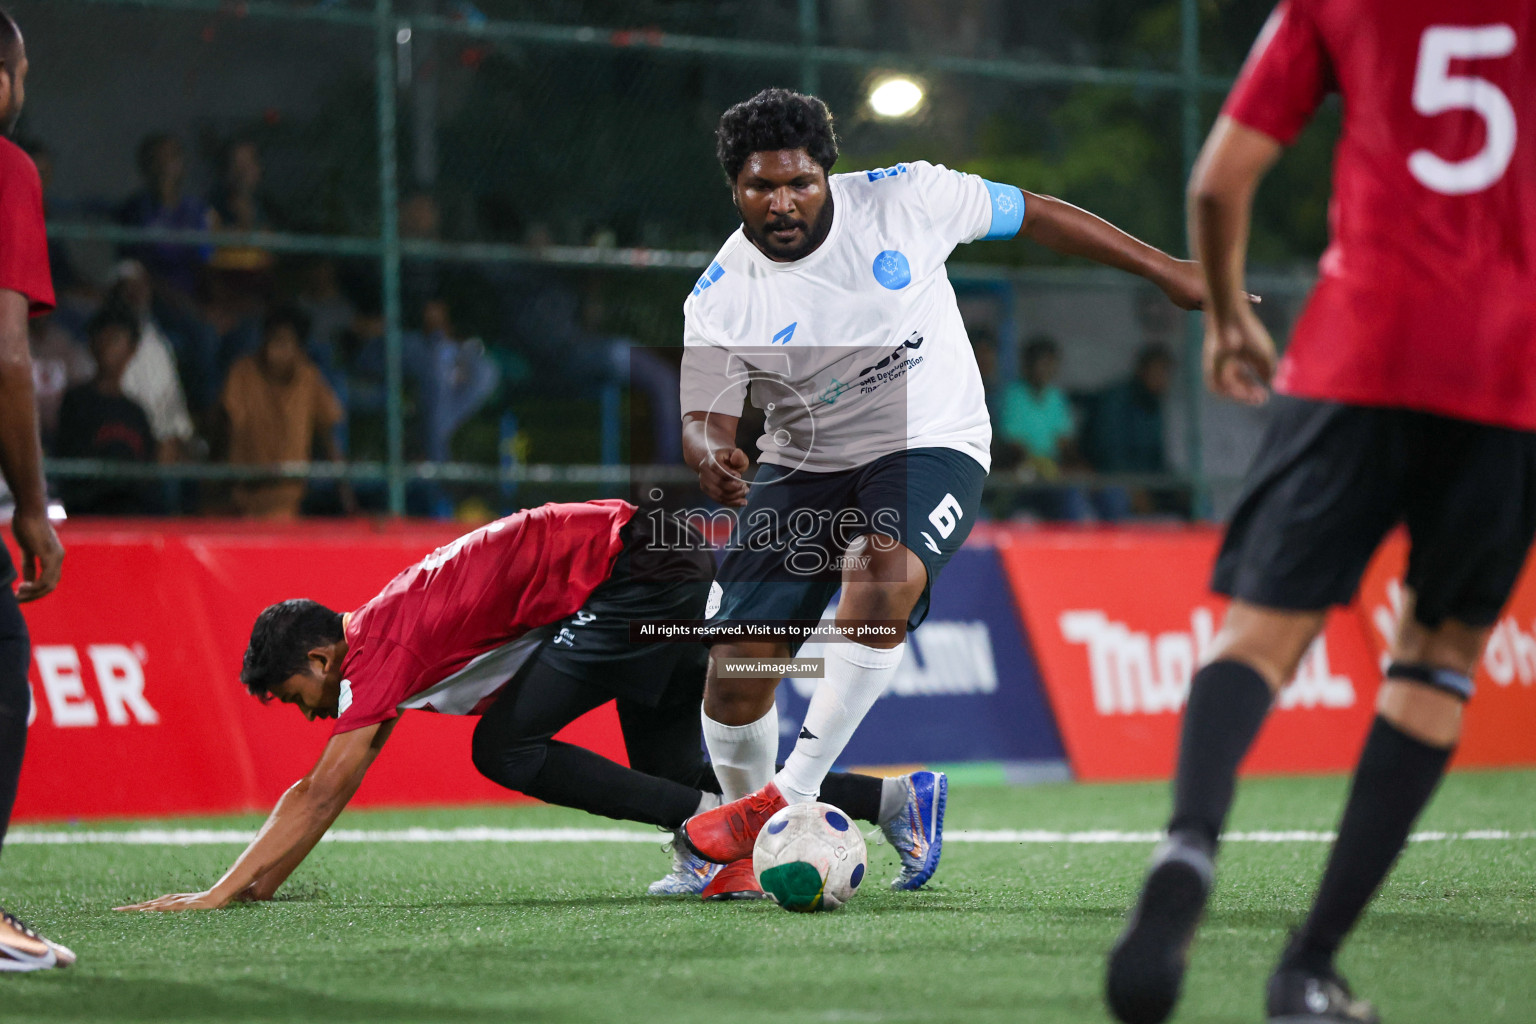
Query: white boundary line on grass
column 214, row 837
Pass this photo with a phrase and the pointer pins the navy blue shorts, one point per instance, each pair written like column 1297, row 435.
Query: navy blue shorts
column 791, row 542
column 1331, row 479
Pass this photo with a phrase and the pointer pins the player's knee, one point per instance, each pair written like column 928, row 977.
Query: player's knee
column 1425, row 701
column 513, row 765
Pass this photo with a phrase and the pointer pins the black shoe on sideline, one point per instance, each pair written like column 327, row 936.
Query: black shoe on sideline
column 1298, row 996
column 1147, row 963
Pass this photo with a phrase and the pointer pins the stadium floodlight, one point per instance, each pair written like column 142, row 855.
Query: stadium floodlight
column 895, row 96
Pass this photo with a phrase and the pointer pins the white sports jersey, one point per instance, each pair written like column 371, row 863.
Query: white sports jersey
column 858, row 349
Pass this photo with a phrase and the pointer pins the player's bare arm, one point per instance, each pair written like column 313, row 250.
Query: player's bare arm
column 302, row 816
column 1072, row 231
column 709, row 446
column 1239, row 353
column 21, row 455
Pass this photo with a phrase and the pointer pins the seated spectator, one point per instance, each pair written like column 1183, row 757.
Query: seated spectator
column 1124, row 432
column 59, row 362
column 152, row 379
column 240, row 275
column 162, row 203
column 457, row 377
column 1125, row 429
column 279, row 409
column 1035, row 413
column 1036, row 431
column 97, row 421
column 193, row 347
column 330, row 313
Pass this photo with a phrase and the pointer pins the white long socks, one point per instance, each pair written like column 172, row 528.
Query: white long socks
column 856, row 677
column 743, row 755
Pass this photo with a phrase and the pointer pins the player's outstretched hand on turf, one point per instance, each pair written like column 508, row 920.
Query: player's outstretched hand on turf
column 1239, row 357
column 179, row 901
column 720, row 476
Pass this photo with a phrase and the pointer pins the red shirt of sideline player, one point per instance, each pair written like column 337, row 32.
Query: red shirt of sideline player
column 24, row 243
column 1427, row 293
column 440, row 635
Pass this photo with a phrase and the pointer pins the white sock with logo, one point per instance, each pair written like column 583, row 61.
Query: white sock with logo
column 742, row 755
column 856, row 677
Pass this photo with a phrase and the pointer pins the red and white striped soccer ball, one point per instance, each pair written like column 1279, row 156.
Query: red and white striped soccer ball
column 809, row 857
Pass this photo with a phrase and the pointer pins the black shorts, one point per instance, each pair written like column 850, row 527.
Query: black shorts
column 784, row 559
column 652, row 578
column 1330, row 480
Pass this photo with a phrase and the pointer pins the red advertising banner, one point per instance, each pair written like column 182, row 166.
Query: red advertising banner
column 1499, row 727
column 137, row 707
column 1120, row 619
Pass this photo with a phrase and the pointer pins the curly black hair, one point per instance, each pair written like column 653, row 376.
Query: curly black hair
column 281, row 640
column 775, row 119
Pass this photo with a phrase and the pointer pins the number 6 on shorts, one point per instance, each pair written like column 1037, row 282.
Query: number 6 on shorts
column 946, row 516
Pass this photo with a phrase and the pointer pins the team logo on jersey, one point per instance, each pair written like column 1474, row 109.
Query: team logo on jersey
column 914, row 341
column 782, row 338
column 892, row 270
column 886, row 172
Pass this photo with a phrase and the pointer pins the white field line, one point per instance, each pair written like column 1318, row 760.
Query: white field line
column 214, row 837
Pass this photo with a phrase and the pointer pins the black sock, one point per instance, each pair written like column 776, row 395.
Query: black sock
column 572, row 776
column 1228, row 701
column 1396, row 777
column 857, row 795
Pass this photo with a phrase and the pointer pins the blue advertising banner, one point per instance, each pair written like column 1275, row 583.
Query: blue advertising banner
column 968, row 689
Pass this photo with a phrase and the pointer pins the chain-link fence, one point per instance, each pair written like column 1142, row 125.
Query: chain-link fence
column 482, row 219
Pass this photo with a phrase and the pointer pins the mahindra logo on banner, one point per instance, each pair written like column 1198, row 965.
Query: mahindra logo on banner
column 1141, row 672
column 1500, row 720
column 118, row 672
column 1120, row 620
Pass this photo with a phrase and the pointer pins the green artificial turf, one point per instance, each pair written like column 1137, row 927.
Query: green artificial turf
column 565, row 932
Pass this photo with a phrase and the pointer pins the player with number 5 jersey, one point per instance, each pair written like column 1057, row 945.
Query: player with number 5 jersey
column 1408, row 396
column 830, row 308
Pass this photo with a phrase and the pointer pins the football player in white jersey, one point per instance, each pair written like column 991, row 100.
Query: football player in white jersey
column 833, row 304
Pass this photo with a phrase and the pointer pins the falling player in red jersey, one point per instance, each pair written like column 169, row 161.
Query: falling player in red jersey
column 525, row 623
column 1408, row 396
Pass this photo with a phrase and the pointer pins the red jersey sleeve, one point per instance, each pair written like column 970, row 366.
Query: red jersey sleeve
column 1286, row 76
column 377, row 675
column 23, row 239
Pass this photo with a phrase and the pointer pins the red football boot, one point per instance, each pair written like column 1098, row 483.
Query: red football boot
column 726, row 833
column 735, row 881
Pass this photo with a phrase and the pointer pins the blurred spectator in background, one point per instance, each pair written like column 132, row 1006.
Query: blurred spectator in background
column 98, row 421
column 1124, row 432
column 59, row 362
column 162, row 203
column 1035, row 430
column 1035, row 413
column 279, row 409
column 167, row 367
column 330, row 314
column 240, row 275
column 151, row 379
column 454, row 378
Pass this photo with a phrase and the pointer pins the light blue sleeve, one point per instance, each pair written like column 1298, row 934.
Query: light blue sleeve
column 1007, row 211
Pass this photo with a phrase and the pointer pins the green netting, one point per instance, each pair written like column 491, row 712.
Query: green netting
column 551, row 185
